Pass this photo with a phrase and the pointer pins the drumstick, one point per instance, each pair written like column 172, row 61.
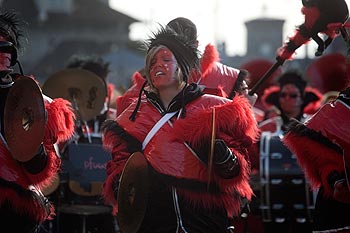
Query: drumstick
column 211, row 154
column 265, row 76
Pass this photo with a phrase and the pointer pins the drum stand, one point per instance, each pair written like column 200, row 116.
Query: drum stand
column 84, row 211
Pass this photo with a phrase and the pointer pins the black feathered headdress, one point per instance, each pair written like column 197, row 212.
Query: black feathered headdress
column 185, row 52
column 9, row 27
column 311, row 97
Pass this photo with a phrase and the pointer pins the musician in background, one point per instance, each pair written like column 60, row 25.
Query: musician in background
column 292, row 98
column 99, row 67
column 322, row 149
column 22, row 206
column 88, row 132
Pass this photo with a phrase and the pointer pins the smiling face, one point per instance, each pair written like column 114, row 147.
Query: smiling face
column 162, row 68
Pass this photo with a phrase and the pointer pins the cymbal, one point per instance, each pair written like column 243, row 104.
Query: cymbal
column 132, row 193
column 85, row 90
column 24, row 118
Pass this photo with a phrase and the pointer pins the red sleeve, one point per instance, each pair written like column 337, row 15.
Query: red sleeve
column 115, row 166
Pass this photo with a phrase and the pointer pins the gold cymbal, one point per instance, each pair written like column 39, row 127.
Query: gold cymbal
column 24, row 118
column 132, row 193
column 85, row 90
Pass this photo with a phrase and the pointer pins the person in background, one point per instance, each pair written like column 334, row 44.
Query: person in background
column 288, row 101
column 103, row 222
column 185, row 193
column 292, row 98
column 217, row 78
column 321, row 145
column 100, row 68
column 22, row 205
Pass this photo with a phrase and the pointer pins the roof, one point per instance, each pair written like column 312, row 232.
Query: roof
column 89, row 13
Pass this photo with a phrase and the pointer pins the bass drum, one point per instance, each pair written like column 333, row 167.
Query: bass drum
column 285, row 196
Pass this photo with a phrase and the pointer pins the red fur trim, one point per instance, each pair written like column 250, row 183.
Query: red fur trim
column 226, row 201
column 24, row 206
column 317, row 160
column 113, row 170
column 108, row 192
column 44, row 178
column 238, row 184
column 298, row 39
column 110, row 90
column 267, row 92
column 210, row 56
column 60, row 124
column 233, row 118
column 235, row 124
column 313, row 107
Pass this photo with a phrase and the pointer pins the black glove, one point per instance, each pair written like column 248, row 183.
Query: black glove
column 340, row 187
column 345, row 96
column 108, row 125
column 226, row 164
column 341, row 191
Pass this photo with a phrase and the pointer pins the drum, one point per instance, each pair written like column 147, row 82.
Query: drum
column 285, row 194
column 85, row 167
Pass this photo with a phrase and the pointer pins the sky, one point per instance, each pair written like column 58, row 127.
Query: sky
column 216, row 20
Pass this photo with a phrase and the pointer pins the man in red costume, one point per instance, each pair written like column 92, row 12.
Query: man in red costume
column 217, row 78
column 322, row 148
column 190, row 190
column 22, row 206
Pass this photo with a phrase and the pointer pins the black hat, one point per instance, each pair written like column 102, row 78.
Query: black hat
column 9, row 27
column 308, row 94
column 185, row 52
column 184, row 26
column 91, row 63
column 295, row 78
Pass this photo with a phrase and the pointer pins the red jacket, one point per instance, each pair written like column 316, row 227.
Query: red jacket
column 168, row 154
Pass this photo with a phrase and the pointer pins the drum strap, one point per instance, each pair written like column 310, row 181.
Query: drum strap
column 156, row 127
